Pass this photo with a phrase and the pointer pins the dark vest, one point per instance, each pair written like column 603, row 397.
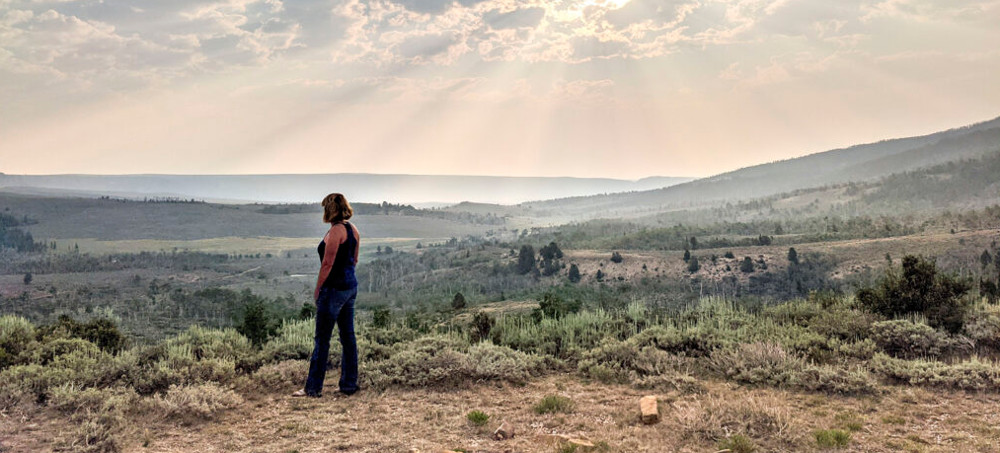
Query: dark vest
column 342, row 274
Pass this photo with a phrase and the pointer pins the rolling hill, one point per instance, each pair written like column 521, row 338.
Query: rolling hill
column 855, row 164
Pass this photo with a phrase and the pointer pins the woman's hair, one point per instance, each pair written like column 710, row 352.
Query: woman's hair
column 336, row 208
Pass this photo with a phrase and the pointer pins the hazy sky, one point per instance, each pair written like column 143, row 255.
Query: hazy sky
column 613, row 88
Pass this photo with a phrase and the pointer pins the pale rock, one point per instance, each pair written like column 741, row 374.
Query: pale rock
column 650, row 413
column 505, row 431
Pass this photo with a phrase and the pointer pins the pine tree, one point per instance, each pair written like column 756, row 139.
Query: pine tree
column 793, row 256
column 693, row 265
column 574, row 273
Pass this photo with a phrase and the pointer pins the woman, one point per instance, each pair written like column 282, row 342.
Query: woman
column 336, row 289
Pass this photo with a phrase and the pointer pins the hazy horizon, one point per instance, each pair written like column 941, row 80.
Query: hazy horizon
column 588, row 88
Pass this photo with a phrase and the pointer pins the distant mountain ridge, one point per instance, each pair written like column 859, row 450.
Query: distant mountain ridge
column 312, row 187
column 853, row 164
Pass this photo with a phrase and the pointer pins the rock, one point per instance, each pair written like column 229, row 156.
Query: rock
column 505, row 431
column 650, row 413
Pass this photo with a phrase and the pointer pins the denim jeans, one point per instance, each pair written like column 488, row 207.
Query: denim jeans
column 334, row 307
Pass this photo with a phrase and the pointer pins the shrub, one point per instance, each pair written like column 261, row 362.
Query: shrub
column 554, row 305
column 972, row 374
column 843, row 323
column 623, row 362
column 490, row 362
column 195, row 402
column 97, row 434
column 692, row 341
column 101, row 331
column 477, row 418
column 831, row 379
column 612, row 362
column 908, row 339
column 851, row 421
column 798, row 312
column 49, row 351
column 207, row 343
column 294, row 341
column 757, row 363
column 552, row 404
column 982, row 325
column 70, row 398
column 714, row 417
column 482, row 324
column 616, row 257
column 381, row 317
column 439, row 360
column 832, row 438
column 282, row 375
column 16, row 336
column 919, row 289
column 737, row 443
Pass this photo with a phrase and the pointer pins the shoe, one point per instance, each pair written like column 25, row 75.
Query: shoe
column 301, row 393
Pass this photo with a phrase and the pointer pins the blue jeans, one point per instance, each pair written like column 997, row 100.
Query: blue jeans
column 334, row 307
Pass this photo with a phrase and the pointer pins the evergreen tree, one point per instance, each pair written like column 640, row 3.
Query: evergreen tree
column 458, row 302
column 687, row 255
column 526, row 260
column 574, row 273
column 255, row 323
column 793, row 256
column 693, row 265
column 27, row 278
column 986, row 259
column 616, row 257
column 747, row 265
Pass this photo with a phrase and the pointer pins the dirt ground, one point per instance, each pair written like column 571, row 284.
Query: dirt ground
column 406, row 420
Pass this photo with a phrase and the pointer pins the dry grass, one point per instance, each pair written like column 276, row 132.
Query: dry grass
column 397, row 420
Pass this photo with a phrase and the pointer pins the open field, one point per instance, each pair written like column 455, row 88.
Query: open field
column 277, row 246
column 61, row 219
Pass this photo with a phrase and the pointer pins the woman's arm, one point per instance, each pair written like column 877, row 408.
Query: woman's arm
column 332, row 240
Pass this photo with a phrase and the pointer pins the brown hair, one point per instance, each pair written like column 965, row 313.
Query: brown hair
column 336, row 208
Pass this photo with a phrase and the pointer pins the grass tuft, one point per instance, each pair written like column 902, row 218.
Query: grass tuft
column 832, row 438
column 554, row 404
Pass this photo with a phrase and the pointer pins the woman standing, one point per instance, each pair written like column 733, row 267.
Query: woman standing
column 336, row 289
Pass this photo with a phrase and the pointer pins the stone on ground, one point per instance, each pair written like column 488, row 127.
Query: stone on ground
column 505, row 431
column 650, row 413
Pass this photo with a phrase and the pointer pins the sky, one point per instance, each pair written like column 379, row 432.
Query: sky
column 587, row 88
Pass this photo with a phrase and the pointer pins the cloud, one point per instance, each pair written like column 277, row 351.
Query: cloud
column 433, row 6
column 425, row 46
column 518, row 18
